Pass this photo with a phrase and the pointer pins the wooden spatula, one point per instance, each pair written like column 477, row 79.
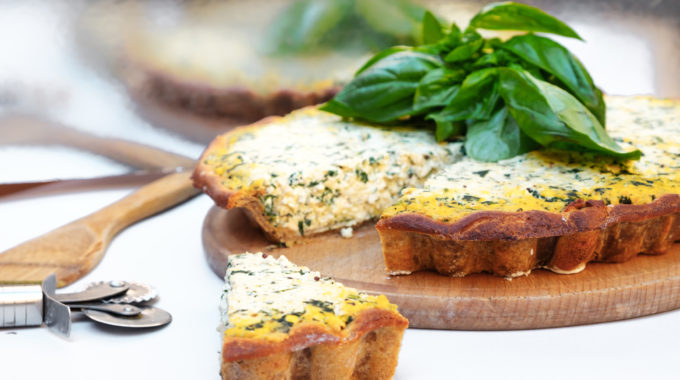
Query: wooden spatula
column 73, row 250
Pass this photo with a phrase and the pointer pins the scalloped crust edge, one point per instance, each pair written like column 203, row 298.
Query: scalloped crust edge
column 368, row 350
column 226, row 198
column 512, row 244
column 209, row 183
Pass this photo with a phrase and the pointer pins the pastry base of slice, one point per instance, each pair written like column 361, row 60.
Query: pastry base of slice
column 512, row 244
column 312, row 351
column 246, row 201
column 283, row 321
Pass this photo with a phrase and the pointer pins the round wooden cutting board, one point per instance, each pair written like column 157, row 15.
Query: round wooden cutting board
column 603, row 292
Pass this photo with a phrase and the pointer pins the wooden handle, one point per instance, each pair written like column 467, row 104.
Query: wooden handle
column 74, row 249
column 29, row 130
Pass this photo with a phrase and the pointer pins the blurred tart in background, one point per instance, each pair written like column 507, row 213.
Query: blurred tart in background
column 239, row 61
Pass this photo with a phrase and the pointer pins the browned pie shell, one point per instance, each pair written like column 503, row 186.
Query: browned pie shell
column 201, row 98
column 204, row 179
column 368, row 350
column 579, row 216
column 228, row 199
column 513, row 243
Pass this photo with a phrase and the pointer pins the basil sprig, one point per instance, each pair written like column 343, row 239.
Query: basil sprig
column 506, row 97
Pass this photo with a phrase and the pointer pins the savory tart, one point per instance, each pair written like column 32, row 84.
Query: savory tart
column 552, row 209
column 241, row 59
column 209, row 58
column 215, row 73
column 282, row 321
column 310, row 171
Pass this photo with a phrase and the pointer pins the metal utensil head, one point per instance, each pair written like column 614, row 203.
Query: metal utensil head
column 137, row 293
column 117, row 309
column 98, row 291
column 149, row 317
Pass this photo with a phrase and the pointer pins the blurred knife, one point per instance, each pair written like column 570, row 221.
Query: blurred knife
column 11, row 191
column 151, row 163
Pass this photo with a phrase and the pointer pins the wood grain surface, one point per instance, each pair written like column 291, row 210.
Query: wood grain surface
column 601, row 293
column 74, row 249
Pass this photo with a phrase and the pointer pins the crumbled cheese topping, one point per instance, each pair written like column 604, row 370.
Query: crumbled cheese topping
column 347, row 232
column 266, row 297
column 550, row 180
column 315, row 172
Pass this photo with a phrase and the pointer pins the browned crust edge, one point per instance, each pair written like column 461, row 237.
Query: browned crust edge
column 368, row 350
column 513, row 243
column 578, row 216
column 234, row 102
column 309, row 334
column 209, row 183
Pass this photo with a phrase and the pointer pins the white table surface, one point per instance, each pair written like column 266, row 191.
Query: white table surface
column 166, row 251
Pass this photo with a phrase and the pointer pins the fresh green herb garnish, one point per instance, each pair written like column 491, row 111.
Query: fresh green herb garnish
column 308, row 26
column 249, row 273
column 505, row 97
column 363, row 176
column 323, row 305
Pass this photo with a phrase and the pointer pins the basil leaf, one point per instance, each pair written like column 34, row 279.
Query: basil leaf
column 450, row 40
column 437, row 88
column 497, row 138
column 534, row 70
column 340, row 109
column 447, row 129
column 476, row 98
column 384, row 92
column 552, row 116
column 305, row 23
column 464, row 52
column 453, row 38
column 558, row 61
column 393, row 17
column 432, row 29
column 514, row 16
column 495, row 58
column 389, row 51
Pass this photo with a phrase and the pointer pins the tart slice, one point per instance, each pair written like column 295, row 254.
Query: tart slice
column 310, row 171
column 283, row 321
